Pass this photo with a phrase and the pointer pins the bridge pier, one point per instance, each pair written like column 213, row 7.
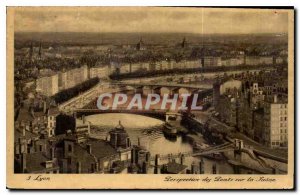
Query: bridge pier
column 176, row 116
column 201, row 166
column 156, row 90
column 182, row 159
column 133, row 156
column 145, row 167
column 194, row 168
column 236, row 169
column 157, row 164
column 147, row 90
column 138, row 90
column 166, row 91
column 214, row 169
column 239, row 145
column 175, row 90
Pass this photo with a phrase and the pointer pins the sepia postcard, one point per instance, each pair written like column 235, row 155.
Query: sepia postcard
column 150, row 98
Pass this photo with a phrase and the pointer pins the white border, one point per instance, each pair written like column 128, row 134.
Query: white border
column 5, row 3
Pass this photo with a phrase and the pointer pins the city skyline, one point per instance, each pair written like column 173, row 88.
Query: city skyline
column 150, row 20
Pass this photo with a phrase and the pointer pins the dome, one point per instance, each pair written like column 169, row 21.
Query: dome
column 120, row 127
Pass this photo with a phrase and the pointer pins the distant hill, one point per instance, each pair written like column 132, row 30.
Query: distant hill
column 23, row 39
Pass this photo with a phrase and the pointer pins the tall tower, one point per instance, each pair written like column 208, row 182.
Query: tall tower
column 183, row 44
column 30, row 55
column 140, row 45
column 40, row 51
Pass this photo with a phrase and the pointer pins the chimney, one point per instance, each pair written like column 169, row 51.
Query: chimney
column 133, row 156
column 52, row 153
column 78, row 167
column 23, row 162
column 214, row 169
column 201, row 166
column 24, row 131
column 31, row 111
column 89, row 148
column 148, row 157
column 275, row 98
column 44, row 107
column 157, row 159
column 193, row 168
column 145, row 167
column 182, row 159
column 83, row 119
column 49, row 164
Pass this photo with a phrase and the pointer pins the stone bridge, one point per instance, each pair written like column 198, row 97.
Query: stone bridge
column 88, row 96
column 155, row 113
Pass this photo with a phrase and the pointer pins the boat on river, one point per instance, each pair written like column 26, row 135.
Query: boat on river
column 200, row 146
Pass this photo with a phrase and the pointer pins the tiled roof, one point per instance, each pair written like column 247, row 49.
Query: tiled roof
column 35, row 162
column 53, row 111
column 28, row 135
column 101, row 148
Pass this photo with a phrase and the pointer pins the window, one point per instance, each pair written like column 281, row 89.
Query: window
column 41, row 148
column 69, row 148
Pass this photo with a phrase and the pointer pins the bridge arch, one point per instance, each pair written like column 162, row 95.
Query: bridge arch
column 161, row 115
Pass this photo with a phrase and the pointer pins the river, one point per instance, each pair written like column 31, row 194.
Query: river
column 149, row 131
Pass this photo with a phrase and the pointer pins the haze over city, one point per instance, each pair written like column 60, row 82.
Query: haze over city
column 150, row 19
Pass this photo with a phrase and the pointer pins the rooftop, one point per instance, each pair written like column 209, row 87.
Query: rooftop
column 28, row 135
column 101, row 148
column 24, row 115
column 35, row 162
column 175, row 168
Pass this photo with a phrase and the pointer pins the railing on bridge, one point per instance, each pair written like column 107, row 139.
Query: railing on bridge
column 189, row 86
column 120, row 109
column 207, row 151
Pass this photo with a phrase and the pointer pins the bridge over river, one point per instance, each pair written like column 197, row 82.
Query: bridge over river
column 238, row 154
column 80, row 101
column 199, row 152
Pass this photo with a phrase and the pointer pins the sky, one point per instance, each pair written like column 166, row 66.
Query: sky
column 150, row 19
